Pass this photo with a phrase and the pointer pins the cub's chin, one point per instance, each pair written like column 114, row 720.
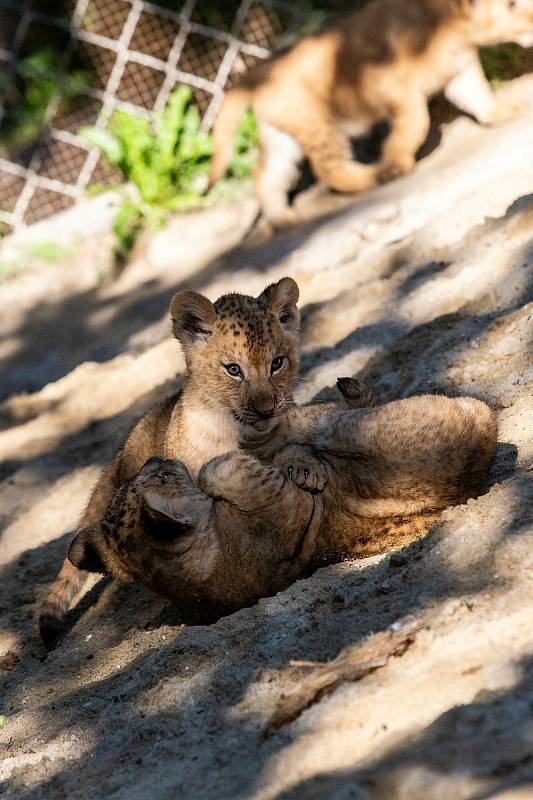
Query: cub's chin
column 265, row 425
column 258, row 429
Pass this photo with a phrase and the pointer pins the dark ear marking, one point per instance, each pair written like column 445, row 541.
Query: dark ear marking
column 193, row 316
column 150, row 467
column 83, row 551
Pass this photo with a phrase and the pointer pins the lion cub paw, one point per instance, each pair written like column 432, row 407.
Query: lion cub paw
column 309, row 476
column 356, row 393
column 395, row 168
column 506, row 110
column 301, row 467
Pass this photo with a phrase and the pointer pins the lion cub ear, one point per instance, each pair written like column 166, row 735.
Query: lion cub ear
column 281, row 298
column 176, row 511
column 84, row 550
column 193, row 317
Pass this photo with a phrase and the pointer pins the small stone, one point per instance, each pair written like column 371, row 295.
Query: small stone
column 9, row 661
column 397, row 560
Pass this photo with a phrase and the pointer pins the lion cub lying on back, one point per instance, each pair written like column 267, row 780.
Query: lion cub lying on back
column 245, row 531
column 381, row 63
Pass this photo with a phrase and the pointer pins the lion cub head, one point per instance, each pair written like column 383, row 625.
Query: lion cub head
column 151, row 533
column 242, row 352
column 498, row 21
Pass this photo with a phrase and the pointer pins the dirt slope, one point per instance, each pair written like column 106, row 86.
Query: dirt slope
column 422, row 285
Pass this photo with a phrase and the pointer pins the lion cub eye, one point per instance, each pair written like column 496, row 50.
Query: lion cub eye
column 162, row 477
column 277, row 364
column 233, row 370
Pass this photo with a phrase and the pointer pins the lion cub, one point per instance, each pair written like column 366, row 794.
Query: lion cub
column 245, row 531
column 381, row 63
column 242, row 356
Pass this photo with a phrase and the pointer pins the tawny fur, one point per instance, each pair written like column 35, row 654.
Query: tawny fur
column 214, row 413
column 246, row 530
column 381, row 63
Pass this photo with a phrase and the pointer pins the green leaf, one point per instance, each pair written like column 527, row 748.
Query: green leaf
column 167, row 158
column 171, row 124
column 48, row 251
column 126, row 227
column 42, row 62
column 105, row 141
column 246, row 149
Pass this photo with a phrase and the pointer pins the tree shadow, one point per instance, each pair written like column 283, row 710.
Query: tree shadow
column 348, row 606
column 487, row 740
column 113, row 715
column 56, row 336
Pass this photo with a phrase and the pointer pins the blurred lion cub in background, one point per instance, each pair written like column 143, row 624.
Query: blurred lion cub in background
column 381, row 63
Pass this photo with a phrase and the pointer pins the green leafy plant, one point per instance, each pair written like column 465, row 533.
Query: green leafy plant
column 246, row 149
column 127, row 225
column 167, row 159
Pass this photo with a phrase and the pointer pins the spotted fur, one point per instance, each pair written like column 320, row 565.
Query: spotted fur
column 214, row 413
column 245, row 530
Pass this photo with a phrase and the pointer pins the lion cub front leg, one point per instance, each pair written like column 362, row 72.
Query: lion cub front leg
column 329, row 152
column 471, row 92
column 410, row 122
column 299, row 463
column 242, row 481
column 301, row 466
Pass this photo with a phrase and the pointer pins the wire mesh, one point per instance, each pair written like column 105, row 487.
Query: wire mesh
column 133, row 54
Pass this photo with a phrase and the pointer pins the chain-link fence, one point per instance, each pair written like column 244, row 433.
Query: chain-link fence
column 132, row 54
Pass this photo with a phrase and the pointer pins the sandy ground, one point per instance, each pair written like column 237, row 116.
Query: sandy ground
column 422, row 285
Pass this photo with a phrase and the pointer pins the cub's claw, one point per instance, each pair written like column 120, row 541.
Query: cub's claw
column 310, row 477
column 299, row 464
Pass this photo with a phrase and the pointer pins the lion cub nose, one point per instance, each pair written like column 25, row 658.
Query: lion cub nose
column 263, row 405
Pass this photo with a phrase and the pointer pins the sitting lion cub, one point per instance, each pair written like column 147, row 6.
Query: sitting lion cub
column 242, row 355
column 381, row 63
column 246, row 531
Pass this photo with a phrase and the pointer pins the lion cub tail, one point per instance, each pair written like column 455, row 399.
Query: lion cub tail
column 66, row 586
column 233, row 107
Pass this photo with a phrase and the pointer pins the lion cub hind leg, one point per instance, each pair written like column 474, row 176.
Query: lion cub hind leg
column 302, row 467
column 329, row 152
column 276, row 174
column 299, row 462
column 68, row 583
column 479, row 445
column 471, row 92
